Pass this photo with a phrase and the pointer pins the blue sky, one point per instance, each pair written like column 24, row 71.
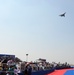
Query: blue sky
column 35, row 27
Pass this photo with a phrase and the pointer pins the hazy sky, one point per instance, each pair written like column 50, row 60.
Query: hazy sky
column 35, row 27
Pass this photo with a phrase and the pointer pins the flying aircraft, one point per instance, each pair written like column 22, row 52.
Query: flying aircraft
column 63, row 15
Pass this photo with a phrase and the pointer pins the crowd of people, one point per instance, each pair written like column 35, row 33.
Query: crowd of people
column 13, row 66
column 8, row 65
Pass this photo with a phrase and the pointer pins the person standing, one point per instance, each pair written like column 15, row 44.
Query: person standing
column 29, row 70
column 25, row 72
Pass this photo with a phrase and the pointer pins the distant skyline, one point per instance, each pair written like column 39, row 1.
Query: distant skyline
column 34, row 27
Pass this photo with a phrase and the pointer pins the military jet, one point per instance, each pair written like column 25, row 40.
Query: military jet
column 63, row 15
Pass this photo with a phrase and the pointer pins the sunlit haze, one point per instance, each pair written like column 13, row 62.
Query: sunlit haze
column 34, row 27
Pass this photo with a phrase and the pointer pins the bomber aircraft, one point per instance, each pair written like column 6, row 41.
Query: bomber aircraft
column 63, row 15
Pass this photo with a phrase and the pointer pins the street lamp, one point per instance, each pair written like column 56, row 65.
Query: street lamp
column 26, row 57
